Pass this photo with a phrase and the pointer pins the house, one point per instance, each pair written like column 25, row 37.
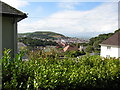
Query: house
column 70, row 48
column 21, row 45
column 111, row 46
column 9, row 17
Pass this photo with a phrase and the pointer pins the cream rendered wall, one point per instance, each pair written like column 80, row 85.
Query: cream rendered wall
column 113, row 52
column 119, row 52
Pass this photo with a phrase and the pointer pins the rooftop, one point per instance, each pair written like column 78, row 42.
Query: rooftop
column 113, row 40
column 7, row 10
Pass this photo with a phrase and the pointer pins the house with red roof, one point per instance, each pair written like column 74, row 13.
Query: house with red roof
column 70, row 48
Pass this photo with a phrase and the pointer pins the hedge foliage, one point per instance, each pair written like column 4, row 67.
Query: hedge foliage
column 62, row 74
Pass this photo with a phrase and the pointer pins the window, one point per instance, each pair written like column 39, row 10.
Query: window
column 108, row 47
column 107, row 56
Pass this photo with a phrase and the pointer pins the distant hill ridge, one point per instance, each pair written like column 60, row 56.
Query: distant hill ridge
column 42, row 35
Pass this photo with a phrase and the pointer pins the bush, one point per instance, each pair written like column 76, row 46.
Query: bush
column 55, row 73
column 74, row 53
column 89, row 49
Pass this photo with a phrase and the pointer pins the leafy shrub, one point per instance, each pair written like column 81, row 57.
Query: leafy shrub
column 56, row 73
column 74, row 53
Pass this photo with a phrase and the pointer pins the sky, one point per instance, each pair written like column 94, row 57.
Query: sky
column 75, row 18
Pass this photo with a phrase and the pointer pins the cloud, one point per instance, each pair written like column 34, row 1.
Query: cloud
column 72, row 0
column 68, row 5
column 101, row 19
column 16, row 3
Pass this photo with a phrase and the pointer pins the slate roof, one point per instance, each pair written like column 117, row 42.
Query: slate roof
column 113, row 40
column 20, row 44
column 7, row 10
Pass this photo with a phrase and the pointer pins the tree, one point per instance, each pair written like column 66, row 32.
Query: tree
column 96, row 44
column 89, row 49
column 36, row 42
column 117, row 30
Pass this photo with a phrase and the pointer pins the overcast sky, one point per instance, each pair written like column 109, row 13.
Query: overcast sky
column 74, row 18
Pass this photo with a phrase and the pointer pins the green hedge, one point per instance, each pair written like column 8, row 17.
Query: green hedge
column 64, row 74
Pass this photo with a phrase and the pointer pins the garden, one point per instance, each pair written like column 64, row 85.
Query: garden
column 48, row 73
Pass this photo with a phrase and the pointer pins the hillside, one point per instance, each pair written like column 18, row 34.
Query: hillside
column 42, row 35
column 94, row 42
column 100, row 38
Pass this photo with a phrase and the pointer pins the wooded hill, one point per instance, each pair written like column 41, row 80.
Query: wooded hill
column 42, row 35
column 100, row 38
column 94, row 43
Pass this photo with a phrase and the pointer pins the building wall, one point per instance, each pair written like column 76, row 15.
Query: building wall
column 9, row 35
column 0, row 36
column 119, row 52
column 113, row 52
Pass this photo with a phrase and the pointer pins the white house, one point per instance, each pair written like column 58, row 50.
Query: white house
column 9, row 17
column 111, row 46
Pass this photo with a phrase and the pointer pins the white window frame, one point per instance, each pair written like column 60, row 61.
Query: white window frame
column 108, row 47
column 107, row 56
